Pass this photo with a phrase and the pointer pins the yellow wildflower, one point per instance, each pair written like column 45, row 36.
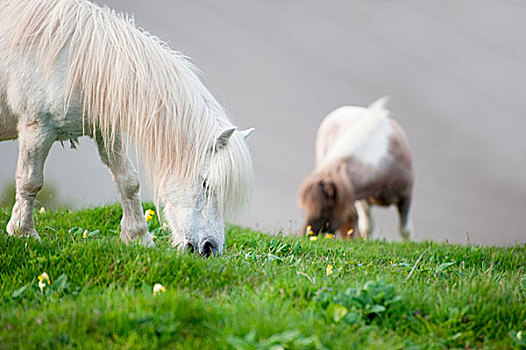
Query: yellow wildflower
column 158, row 288
column 308, row 231
column 44, row 278
column 148, row 215
column 329, row 270
column 519, row 335
column 85, row 234
column 313, row 238
column 350, row 232
column 329, row 235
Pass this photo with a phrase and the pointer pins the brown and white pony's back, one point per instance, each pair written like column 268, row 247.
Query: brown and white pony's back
column 362, row 158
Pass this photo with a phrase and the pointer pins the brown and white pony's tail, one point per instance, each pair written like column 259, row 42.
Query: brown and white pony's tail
column 379, row 105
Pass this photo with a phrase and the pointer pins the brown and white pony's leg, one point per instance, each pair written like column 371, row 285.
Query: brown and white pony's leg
column 133, row 223
column 406, row 227
column 365, row 221
column 34, row 142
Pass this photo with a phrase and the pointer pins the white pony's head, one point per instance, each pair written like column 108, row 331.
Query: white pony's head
column 195, row 209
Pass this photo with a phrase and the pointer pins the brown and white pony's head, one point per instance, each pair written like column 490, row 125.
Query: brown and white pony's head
column 326, row 199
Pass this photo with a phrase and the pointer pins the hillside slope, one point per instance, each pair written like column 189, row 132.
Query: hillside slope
column 265, row 292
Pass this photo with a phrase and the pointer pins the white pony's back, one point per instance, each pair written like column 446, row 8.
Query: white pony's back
column 353, row 130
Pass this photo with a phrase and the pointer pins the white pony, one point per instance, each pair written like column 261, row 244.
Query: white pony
column 69, row 68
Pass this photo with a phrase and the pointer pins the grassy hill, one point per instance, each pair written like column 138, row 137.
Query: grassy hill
column 265, row 292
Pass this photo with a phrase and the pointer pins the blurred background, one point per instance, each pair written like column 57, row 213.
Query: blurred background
column 455, row 72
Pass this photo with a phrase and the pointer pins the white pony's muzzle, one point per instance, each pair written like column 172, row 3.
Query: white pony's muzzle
column 210, row 247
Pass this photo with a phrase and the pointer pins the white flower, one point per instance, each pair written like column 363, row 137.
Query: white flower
column 158, row 288
column 42, row 279
column 41, row 285
column 42, row 210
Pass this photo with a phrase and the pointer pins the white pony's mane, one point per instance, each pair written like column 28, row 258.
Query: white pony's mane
column 131, row 82
column 357, row 125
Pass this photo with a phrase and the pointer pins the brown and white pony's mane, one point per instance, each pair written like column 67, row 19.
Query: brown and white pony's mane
column 130, row 82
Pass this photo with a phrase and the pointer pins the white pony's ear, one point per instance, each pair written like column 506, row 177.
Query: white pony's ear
column 223, row 137
column 247, row 133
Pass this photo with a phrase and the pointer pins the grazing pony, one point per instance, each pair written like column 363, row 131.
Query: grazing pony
column 362, row 158
column 69, row 68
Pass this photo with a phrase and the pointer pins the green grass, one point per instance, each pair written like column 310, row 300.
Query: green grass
column 265, row 292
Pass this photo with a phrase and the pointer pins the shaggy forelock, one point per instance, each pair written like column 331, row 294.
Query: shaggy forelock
column 314, row 200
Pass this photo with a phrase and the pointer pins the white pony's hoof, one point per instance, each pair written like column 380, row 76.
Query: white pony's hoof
column 35, row 235
column 147, row 240
column 11, row 231
column 31, row 234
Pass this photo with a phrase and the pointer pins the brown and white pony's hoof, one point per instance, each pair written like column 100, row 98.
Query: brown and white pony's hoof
column 406, row 233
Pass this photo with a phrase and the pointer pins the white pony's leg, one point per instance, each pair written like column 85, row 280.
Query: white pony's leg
column 406, row 227
column 34, row 142
column 133, row 223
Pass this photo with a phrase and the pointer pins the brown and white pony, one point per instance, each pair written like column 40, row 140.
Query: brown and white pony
column 362, row 158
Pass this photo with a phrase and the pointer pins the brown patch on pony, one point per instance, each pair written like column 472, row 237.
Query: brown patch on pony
column 326, row 198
